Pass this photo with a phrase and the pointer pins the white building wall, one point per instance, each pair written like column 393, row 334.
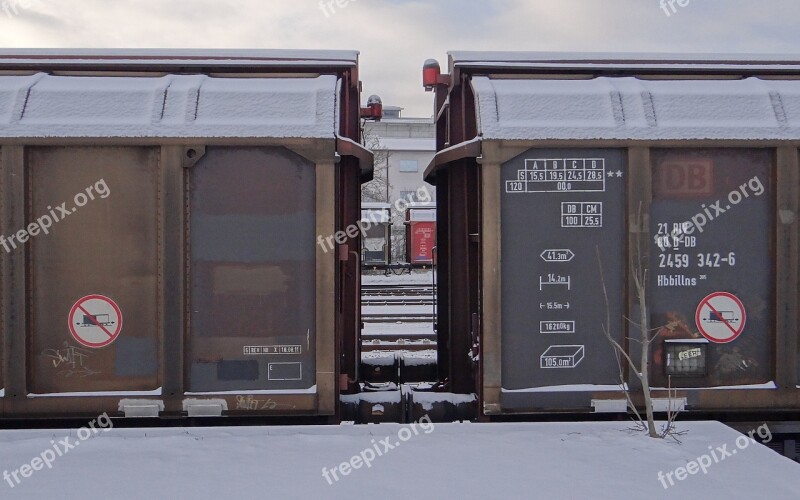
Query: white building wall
column 406, row 146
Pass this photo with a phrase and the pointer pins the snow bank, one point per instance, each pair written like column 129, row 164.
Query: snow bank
column 546, row 460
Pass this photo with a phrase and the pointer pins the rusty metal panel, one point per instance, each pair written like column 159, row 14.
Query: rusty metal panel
column 332, row 337
column 13, row 275
column 93, row 275
column 712, row 262
column 252, row 271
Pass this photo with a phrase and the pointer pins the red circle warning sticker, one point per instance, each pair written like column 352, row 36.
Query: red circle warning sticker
column 721, row 317
column 95, row 321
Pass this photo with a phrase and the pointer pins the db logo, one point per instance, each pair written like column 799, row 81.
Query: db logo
column 685, row 178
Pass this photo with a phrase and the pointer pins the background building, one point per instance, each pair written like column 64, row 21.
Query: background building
column 403, row 149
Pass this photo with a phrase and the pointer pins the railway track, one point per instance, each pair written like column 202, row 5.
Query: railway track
column 399, row 338
column 398, row 346
column 391, row 301
column 396, row 290
column 394, row 301
column 397, row 317
column 398, row 342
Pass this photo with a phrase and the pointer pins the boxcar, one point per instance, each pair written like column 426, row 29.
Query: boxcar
column 161, row 213
column 560, row 178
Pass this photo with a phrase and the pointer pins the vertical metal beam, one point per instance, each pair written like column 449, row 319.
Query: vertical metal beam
column 172, row 276
column 443, row 271
column 461, row 205
column 349, row 312
column 458, row 244
column 470, row 121
column 457, row 281
column 491, row 232
column 786, row 268
column 474, row 271
column 441, row 122
column 327, row 362
column 14, row 264
column 640, row 196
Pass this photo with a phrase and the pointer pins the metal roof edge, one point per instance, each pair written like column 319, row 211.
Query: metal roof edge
column 188, row 53
column 173, row 59
column 473, row 57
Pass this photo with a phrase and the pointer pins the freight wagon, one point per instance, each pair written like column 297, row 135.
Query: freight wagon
column 178, row 274
column 560, row 177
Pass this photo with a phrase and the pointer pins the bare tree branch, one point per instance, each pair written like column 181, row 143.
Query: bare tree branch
column 639, row 271
column 379, row 189
column 618, row 350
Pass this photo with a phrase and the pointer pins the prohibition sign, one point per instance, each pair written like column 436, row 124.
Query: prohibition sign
column 721, row 317
column 95, row 321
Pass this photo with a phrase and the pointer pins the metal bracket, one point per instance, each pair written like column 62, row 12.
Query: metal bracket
column 192, row 154
column 205, row 407
column 141, row 408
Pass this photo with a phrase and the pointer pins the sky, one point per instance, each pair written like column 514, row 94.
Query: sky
column 396, row 37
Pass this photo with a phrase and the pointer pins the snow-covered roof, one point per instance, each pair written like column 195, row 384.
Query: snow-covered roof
column 44, row 106
column 632, row 109
column 422, row 215
column 376, row 214
column 402, row 144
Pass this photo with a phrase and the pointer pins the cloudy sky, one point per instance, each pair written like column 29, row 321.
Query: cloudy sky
column 395, row 37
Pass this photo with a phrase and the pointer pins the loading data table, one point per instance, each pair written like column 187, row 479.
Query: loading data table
column 559, row 176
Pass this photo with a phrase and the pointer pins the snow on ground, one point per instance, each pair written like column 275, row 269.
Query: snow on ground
column 393, row 329
column 417, row 277
column 542, row 460
column 397, row 309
